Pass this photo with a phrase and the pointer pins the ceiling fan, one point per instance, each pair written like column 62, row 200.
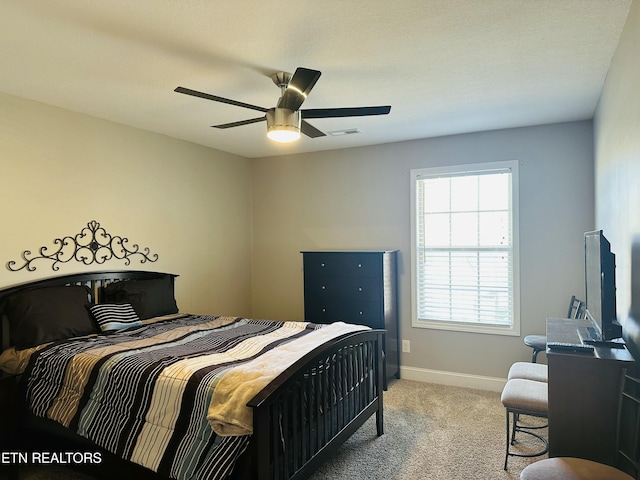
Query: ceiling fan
column 285, row 121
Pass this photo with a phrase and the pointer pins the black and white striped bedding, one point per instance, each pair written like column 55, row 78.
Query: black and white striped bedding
column 144, row 393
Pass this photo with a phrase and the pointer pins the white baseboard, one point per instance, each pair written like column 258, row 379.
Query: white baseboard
column 493, row 384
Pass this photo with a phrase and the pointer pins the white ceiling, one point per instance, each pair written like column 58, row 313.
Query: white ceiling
column 445, row 66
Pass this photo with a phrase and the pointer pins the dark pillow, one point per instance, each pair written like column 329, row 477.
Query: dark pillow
column 44, row 315
column 115, row 316
column 150, row 298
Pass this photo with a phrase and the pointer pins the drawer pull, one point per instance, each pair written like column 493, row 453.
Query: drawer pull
column 359, row 289
column 359, row 265
column 324, row 310
column 323, row 287
column 322, row 264
column 360, row 313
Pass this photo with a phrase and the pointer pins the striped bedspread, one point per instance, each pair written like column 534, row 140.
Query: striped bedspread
column 145, row 394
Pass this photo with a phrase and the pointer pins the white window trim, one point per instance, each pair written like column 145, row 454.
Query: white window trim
column 514, row 329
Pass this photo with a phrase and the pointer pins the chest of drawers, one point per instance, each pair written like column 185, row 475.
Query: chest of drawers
column 355, row 287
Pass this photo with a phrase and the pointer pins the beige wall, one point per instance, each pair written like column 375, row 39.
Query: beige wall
column 617, row 154
column 359, row 199
column 187, row 203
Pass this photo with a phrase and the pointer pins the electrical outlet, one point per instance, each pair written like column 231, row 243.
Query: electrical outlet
column 406, row 346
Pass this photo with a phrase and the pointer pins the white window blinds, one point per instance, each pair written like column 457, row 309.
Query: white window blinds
column 464, row 256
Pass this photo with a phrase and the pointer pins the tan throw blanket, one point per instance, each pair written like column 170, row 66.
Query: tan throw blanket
column 228, row 413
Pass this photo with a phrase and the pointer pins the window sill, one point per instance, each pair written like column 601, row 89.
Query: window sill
column 467, row 327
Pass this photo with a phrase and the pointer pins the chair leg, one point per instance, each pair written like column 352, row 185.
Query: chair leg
column 507, row 442
column 511, row 436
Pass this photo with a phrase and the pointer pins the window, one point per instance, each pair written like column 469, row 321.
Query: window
column 464, row 232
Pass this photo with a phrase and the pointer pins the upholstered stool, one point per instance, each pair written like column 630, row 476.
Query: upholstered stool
column 529, row 371
column 538, row 343
column 524, row 397
column 559, row 468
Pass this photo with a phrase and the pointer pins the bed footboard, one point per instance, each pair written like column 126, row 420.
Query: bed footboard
column 314, row 406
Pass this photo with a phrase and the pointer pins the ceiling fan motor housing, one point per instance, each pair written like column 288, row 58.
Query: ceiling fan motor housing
column 283, row 125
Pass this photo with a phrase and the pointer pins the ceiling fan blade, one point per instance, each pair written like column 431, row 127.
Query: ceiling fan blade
column 195, row 93
column 240, row 123
column 344, row 112
column 299, row 87
column 310, row 131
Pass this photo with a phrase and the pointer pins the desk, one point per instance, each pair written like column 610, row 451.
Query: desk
column 583, row 395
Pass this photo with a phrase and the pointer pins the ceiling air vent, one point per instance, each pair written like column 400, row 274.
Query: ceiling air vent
column 348, row 131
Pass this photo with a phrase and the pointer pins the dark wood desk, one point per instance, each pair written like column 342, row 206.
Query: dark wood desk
column 583, row 395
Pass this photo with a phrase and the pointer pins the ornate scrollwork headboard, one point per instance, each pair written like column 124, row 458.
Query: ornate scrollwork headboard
column 91, row 245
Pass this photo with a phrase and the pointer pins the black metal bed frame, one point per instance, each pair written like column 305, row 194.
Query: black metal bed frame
column 306, row 413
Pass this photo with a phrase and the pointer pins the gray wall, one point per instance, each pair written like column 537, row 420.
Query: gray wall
column 617, row 154
column 359, row 199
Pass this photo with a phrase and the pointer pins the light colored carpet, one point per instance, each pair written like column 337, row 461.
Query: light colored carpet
column 432, row 432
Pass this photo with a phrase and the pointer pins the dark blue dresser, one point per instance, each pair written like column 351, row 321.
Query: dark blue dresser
column 355, row 287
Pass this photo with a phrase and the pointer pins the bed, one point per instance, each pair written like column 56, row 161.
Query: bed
column 184, row 396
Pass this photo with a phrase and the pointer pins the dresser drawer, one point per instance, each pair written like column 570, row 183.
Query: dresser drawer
column 344, row 289
column 342, row 264
column 360, row 313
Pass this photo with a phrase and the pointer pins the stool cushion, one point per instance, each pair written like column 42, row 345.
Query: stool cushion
column 539, row 342
column 529, row 371
column 565, row 468
column 526, row 396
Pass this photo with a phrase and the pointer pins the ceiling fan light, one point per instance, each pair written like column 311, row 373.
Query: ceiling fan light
column 283, row 134
column 283, row 125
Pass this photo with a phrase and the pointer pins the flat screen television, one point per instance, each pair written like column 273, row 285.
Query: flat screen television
column 600, row 286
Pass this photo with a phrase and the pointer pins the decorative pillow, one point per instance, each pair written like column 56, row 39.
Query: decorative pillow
column 117, row 316
column 48, row 314
column 149, row 298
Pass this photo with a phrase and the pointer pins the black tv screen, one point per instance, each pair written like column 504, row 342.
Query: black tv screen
column 600, row 284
